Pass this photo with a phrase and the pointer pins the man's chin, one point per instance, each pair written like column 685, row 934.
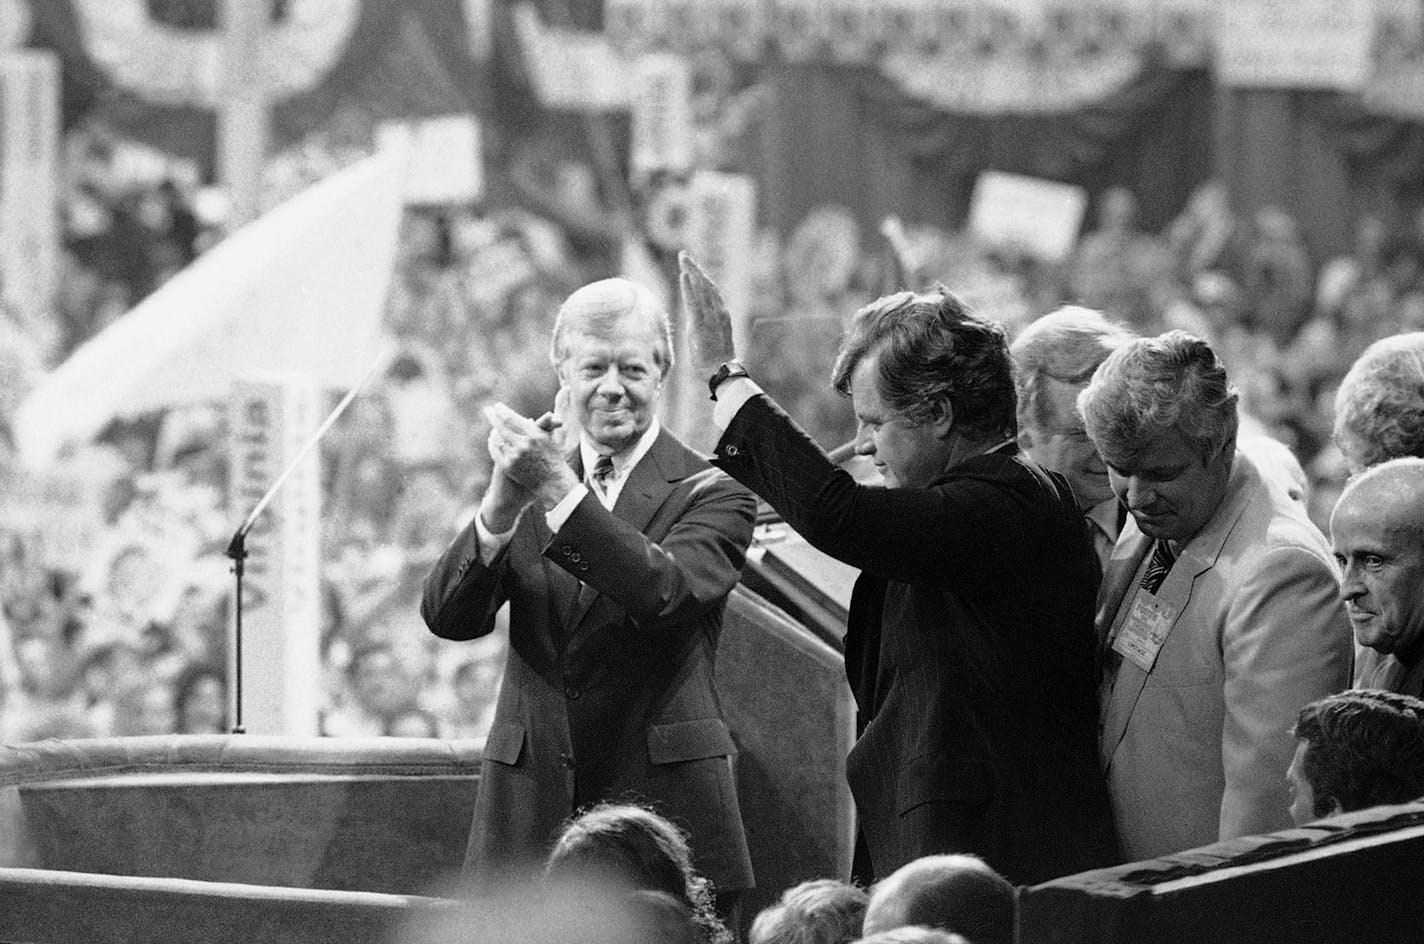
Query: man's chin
column 615, row 436
column 1157, row 529
column 1368, row 635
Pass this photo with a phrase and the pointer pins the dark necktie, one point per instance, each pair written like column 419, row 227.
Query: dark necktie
column 602, row 471
column 1158, row 566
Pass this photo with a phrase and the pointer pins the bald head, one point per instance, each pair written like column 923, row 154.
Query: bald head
column 1377, row 530
column 610, row 306
column 1391, row 493
column 958, row 893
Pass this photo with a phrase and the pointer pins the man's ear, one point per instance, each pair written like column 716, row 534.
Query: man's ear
column 1025, row 439
column 941, row 417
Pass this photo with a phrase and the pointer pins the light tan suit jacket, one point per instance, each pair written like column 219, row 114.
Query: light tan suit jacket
column 1196, row 749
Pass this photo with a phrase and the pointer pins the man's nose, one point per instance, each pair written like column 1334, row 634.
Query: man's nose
column 611, row 383
column 1139, row 494
column 1351, row 586
column 864, row 443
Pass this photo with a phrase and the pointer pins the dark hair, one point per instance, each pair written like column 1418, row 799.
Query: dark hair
column 821, row 911
column 632, row 847
column 183, row 687
column 931, row 350
column 1364, row 748
column 958, row 893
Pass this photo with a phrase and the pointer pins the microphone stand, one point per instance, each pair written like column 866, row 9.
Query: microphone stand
column 237, row 547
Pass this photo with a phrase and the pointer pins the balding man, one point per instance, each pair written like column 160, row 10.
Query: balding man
column 1377, row 530
column 616, row 557
column 1054, row 358
column 958, row 893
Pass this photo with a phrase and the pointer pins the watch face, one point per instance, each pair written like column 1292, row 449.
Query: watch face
column 728, row 370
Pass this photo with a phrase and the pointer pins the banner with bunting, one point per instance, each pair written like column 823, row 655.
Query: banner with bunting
column 997, row 56
column 131, row 61
column 1295, row 44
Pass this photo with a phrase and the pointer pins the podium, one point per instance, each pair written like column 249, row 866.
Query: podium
column 1351, row 877
column 228, row 838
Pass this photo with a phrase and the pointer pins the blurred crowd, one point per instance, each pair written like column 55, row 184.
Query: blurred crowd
column 114, row 588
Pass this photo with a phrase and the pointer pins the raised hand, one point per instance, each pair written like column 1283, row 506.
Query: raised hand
column 905, row 270
column 709, row 325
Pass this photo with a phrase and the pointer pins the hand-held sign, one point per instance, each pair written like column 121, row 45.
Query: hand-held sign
column 709, row 325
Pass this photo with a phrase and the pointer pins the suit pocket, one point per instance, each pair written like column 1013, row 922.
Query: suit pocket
column 940, row 779
column 505, row 743
column 689, row 740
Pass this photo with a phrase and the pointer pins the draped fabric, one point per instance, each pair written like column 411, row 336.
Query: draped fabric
column 1375, row 147
column 1273, row 150
column 402, row 59
column 853, row 133
column 1323, row 156
column 833, row 132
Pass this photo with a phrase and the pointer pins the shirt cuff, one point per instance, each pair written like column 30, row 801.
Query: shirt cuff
column 732, row 395
column 560, row 513
column 490, row 543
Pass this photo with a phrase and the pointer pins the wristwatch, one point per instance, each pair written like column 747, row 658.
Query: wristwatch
column 727, row 371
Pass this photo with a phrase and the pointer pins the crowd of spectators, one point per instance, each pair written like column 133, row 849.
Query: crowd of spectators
column 115, row 606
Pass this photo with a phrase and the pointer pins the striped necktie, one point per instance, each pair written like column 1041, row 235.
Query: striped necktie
column 602, row 470
column 1158, row 566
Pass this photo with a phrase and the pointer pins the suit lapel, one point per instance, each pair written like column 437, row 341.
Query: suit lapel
column 565, row 588
column 648, row 487
column 1198, row 557
column 1120, row 576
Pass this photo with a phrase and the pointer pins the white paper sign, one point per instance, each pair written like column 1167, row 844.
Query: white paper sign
column 1040, row 217
column 662, row 115
column 29, row 146
column 1295, row 43
column 270, row 421
column 572, row 69
column 721, row 235
column 443, row 163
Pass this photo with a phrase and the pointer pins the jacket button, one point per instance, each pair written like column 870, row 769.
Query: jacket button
column 575, row 557
column 568, row 549
column 583, row 566
column 571, row 693
column 566, row 761
column 732, row 450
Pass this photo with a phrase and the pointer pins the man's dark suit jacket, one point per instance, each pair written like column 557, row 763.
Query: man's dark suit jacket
column 969, row 648
column 608, row 693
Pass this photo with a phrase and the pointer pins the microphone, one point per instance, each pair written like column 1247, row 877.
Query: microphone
column 237, row 547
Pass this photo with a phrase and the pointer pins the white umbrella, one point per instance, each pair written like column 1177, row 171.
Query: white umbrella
column 301, row 289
